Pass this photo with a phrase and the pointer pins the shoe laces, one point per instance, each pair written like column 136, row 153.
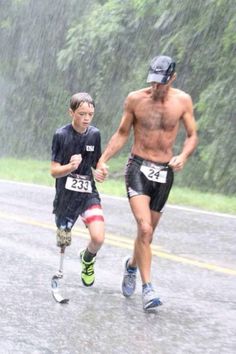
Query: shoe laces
column 147, row 290
column 88, row 269
column 130, row 276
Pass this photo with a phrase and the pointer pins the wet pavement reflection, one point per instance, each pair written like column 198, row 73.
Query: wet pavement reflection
column 199, row 306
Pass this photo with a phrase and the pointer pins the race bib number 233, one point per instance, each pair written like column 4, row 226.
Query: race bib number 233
column 78, row 184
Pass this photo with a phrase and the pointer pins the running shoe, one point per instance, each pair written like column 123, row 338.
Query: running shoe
column 150, row 300
column 129, row 279
column 87, row 273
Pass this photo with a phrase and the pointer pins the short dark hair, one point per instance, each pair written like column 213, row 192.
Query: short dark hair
column 79, row 98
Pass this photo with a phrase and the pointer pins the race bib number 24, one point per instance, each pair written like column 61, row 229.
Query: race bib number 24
column 154, row 173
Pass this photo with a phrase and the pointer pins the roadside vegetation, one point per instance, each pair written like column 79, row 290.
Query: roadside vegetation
column 38, row 172
column 104, row 47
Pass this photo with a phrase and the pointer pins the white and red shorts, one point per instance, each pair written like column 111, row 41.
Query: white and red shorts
column 93, row 213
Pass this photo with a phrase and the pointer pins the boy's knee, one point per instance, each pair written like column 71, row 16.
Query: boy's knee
column 98, row 240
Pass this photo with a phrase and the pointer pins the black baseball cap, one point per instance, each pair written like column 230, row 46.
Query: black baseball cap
column 161, row 69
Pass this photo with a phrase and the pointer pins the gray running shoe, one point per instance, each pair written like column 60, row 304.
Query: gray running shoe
column 150, row 300
column 129, row 279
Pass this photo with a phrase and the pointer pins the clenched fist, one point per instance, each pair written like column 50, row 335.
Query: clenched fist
column 75, row 161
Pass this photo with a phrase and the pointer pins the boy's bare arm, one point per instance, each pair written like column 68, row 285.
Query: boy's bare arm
column 58, row 170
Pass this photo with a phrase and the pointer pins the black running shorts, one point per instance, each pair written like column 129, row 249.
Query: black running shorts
column 70, row 215
column 143, row 177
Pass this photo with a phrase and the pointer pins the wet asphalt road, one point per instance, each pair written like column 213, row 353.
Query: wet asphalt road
column 193, row 271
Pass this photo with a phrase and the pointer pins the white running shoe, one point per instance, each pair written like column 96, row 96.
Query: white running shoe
column 150, row 300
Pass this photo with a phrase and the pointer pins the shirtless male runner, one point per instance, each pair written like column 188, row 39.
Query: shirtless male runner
column 155, row 114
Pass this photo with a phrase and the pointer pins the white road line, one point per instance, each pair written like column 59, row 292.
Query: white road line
column 105, row 196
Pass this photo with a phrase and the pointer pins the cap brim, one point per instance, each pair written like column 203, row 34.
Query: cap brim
column 160, row 78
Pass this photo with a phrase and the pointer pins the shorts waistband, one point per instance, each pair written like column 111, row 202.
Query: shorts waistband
column 141, row 159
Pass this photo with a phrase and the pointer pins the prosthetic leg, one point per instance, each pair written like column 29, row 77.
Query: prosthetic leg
column 63, row 240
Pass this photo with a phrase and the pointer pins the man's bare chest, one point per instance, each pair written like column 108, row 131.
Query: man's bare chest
column 158, row 118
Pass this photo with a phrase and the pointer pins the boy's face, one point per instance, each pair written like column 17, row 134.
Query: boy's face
column 82, row 116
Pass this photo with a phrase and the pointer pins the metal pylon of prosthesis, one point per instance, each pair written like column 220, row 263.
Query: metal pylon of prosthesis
column 55, row 282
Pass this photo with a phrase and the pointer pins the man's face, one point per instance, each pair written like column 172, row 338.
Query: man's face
column 82, row 116
column 159, row 91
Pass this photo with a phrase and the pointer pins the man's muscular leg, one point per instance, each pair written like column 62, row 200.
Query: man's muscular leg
column 147, row 221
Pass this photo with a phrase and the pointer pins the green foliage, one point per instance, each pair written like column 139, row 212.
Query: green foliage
column 51, row 49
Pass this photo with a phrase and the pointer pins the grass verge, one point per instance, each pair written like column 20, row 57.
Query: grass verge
column 38, row 172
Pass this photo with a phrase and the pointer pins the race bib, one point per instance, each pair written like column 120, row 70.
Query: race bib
column 154, row 172
column 79, row 184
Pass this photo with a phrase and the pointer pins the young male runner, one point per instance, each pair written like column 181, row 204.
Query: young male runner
column 76, row 148
column 154, row 113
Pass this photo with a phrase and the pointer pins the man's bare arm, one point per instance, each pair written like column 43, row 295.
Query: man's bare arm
column 120, row 137
column 191, row 141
